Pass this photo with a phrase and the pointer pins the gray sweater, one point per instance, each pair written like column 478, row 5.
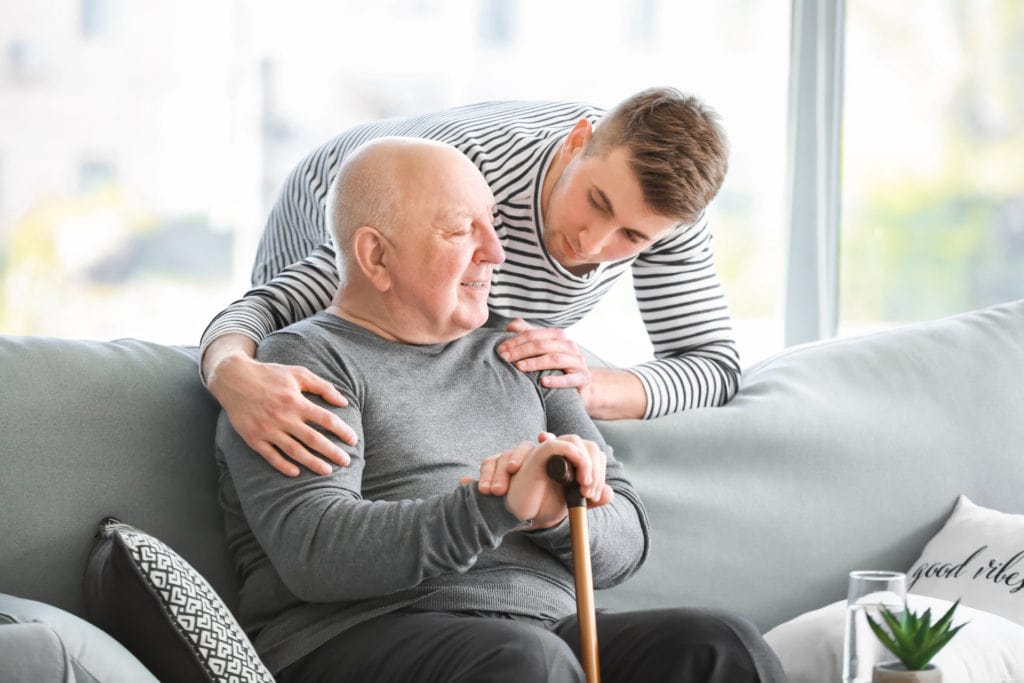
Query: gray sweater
column 320, row 554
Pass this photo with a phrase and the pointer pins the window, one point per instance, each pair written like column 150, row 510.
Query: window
column 496, row 19
column 94, row 175
column 933, row 183
column 205, row 118
column 99, row 18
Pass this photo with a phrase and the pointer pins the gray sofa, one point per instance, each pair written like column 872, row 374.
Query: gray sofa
column 834, row 456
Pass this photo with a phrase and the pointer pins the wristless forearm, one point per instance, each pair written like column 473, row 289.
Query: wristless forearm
column 220, row 351
column 615, row 395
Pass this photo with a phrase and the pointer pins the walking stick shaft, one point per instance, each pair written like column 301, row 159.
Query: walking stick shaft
column 561, row 471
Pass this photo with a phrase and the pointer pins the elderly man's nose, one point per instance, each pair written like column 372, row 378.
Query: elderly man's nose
column 490, row 249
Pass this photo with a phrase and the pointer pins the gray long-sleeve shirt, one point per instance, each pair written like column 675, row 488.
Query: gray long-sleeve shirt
column 319, row 554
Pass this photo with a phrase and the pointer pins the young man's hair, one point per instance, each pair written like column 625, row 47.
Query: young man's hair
column 677, row 146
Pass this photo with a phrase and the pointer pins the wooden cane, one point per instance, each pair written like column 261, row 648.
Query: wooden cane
column 562, row 472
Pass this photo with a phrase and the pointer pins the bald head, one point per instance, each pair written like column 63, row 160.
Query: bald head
column 414, row 228
column 389, row 182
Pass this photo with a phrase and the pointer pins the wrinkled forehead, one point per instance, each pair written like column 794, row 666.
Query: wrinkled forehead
column 445, row 196
column 451, row 179
column 451, row 165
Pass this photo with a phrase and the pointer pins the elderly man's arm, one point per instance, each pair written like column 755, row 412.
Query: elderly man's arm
column 328, row 544
column 619, row 531
column 619, row 537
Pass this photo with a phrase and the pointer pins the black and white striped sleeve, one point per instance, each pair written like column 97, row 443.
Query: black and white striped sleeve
column 294, row 274
column 297, row 292
column 684, row 310
column 297, row 223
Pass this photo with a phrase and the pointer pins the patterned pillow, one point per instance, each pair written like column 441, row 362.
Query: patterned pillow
column 153, row 601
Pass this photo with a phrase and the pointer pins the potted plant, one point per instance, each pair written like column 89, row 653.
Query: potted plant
column 914, row 640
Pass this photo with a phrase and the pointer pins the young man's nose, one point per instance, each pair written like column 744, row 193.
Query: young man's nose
column 592, row 240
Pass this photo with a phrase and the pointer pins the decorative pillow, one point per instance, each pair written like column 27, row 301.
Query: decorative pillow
column 164, row 611
column 978, row 557
column 989, row 649
column 40, row 642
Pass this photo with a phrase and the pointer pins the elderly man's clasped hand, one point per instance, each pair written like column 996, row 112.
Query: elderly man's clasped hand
column 516, row 474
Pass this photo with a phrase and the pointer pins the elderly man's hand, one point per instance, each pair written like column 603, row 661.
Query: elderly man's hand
column 266, row 406
column 533, row 495
column 499, row 472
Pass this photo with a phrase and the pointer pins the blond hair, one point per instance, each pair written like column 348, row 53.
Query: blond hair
column 678, row 149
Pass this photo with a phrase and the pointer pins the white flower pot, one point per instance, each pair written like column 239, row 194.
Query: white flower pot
column 894, row 672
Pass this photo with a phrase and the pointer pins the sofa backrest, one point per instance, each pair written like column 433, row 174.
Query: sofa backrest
column 96, row 429
column 840, row 455
column 845, row 454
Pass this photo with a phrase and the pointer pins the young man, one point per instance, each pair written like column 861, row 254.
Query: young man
column 390, row 569
column 577, row 206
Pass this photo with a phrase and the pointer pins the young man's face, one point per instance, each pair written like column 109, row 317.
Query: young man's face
column 596, row 212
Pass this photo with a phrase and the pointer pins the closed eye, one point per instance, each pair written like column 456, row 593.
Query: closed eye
column 635, row 237
column 603, row 208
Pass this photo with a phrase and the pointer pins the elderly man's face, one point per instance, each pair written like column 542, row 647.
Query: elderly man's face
column 446, row 251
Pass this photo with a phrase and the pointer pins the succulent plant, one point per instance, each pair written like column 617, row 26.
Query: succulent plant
column 912, row 638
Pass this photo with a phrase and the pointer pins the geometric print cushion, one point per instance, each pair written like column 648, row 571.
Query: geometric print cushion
column 158, row 606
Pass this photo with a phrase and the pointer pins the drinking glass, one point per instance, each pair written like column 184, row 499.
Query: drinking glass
column 868, row 592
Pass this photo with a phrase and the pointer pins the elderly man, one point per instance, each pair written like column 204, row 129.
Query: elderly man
column 390, row 568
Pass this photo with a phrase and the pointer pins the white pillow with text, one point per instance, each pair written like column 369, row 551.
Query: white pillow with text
column 978, row 558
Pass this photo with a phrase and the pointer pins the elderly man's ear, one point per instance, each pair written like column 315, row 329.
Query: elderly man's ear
column 372, row 253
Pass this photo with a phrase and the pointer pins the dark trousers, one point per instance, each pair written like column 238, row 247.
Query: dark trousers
column 684, row 645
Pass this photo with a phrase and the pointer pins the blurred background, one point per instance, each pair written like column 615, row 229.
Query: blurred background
column 142, row 143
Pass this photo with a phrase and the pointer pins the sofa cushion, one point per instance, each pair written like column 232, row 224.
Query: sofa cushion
column 92, row 429
column 978, row 558
column 40, row 642
column 164, row 611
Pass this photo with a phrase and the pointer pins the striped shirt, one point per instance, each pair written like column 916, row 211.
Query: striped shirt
column 512, row 143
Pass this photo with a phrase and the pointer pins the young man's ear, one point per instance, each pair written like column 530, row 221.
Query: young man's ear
column 370, row 251
column 578, row 138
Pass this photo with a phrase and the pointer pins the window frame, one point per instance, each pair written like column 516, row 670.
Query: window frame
column 814, row 123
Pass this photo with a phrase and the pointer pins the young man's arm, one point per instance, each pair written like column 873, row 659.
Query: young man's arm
column 608, row 393
column 687, row 318
column 681, row 300
column 266, row 402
